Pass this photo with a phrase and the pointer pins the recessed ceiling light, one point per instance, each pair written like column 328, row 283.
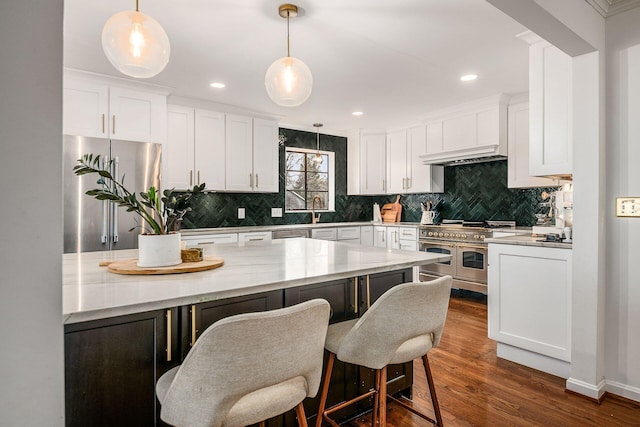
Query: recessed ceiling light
column 217, row 85
column 357, row 113
column 468, row 77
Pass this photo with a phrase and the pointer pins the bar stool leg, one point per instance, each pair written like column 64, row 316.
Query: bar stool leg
column 302, row 418
column 325, row 390
column 382, row 397
column 376, row 409
column 432, row 390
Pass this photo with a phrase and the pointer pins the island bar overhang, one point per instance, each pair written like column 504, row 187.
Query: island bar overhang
column 90, row 292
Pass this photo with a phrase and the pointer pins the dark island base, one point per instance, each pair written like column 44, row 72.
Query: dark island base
column 112, row 365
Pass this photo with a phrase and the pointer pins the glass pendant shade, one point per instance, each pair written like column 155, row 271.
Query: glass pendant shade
column 288, row 82
column 135, row 44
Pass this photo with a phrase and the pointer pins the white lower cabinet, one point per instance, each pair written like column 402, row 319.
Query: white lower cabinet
column 206, row 242
column 366, row 235
column 324, row 233
column 529, row 304
column 380, row 236
column 254, row 236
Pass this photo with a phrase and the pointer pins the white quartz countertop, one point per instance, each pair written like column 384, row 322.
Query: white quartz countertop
column 528, row 240
column 91, row 292
column 254, row 228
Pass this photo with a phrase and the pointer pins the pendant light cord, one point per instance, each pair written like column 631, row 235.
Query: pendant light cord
column 137, row 6
column 288, row 48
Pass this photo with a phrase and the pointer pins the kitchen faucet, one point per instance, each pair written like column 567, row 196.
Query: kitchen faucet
column 313, row 209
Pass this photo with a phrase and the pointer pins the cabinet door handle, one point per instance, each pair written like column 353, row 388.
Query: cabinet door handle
column 102, row 122
column 193, row 325
column 408, row 183
column 257, row 181
column 356, row 303
column 198, row 177
column 190, row 178
column 206, row 243
column 368, row 293
column 251, row 180
column 113, row 124
column 404, row 183
column 169, row 335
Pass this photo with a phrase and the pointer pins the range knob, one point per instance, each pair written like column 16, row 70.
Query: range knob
column 446, row 234
column 464, row 236
column 457, row 236
column 482, row 237
column 431, row 233
column 475, row 236
column 440, row 235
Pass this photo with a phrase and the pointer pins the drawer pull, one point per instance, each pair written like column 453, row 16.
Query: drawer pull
column 193, row 325
column 169, row 335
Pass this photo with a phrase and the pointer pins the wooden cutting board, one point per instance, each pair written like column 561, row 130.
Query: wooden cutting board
column 130, row 266
column 391, row 212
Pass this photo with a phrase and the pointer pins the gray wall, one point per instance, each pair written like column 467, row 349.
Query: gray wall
column 31, row 333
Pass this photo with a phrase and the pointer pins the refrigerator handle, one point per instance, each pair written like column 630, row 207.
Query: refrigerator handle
column 105, row 213
column 114, row 207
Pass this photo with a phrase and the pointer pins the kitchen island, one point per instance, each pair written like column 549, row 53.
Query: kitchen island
column 123, row 332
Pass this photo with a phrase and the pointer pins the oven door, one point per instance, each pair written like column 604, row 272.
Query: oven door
column 439, row 247
column 472, row 262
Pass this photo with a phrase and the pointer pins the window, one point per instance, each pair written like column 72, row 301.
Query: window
column 307, row 179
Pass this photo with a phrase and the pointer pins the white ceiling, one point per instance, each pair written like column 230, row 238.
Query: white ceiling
column 396, row 60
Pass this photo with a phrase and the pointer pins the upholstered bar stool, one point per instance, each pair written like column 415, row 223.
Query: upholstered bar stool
column 402, row 325
column 248, row 368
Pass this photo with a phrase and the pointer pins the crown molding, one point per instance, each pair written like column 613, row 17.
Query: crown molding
column 608, row 8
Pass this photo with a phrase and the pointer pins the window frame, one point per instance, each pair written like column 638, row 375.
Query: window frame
column 331, row 177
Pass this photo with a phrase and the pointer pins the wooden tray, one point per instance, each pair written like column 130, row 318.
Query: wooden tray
column 130, row 266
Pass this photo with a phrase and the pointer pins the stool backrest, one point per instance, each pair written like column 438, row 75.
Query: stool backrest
column 410, row 311
column 240, row 354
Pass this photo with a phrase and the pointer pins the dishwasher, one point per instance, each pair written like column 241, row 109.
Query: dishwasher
column 288, row 234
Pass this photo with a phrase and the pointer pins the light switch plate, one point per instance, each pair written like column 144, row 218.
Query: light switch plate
column 240, row 213
column 276, row 212
column 628, row 206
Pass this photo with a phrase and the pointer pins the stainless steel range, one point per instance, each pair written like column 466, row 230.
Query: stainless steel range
column 464, row 241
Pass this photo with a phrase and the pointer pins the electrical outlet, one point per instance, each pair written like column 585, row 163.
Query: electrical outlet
column 240, row 213
column 276, row 212
column 628, row 206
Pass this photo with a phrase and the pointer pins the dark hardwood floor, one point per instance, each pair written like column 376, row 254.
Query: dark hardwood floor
column 475, row 388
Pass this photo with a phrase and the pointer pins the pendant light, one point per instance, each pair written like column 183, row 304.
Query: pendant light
column 135, row 44
column 288, row 79
column 318, row 156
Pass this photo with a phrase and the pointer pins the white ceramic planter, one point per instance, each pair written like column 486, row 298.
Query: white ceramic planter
column 159, row 250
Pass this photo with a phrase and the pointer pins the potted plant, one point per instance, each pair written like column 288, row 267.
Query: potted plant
column 159, row 242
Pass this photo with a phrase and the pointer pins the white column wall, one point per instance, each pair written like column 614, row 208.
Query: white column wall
column 623, row 179
column 31, row 332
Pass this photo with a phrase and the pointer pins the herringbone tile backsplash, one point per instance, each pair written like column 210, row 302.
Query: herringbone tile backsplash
column 473, row 192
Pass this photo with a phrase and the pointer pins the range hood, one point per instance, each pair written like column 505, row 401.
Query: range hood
column 472, row 160
column 469, row 133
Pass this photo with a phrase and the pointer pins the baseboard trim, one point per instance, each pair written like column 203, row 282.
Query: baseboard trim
column 591, row 391
column 623, row 390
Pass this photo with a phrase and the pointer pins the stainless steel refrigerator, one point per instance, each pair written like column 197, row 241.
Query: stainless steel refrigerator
column 93, row 225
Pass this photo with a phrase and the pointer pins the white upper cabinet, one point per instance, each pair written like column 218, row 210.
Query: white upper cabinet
column 518, row 166
column 239, row 153
column 251, row 154
column 474, row 129
column 195, row 148
column 266, row 156
column 390, row 163
column 550, row 114
column 397, row 161
column 103, row 107
column 373, row 162
column 407, row 173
